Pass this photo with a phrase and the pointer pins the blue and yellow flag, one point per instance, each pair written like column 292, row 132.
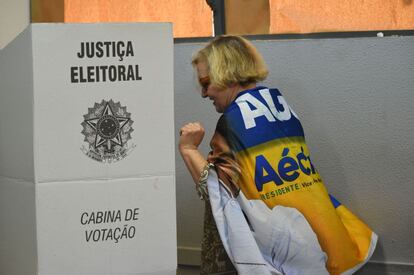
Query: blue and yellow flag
column 269, row 144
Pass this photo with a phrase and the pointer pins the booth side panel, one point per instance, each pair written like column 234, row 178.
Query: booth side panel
column 103, row 101
column 104, row 148
column 16, row 108
column 107, row 227
column 18, row 249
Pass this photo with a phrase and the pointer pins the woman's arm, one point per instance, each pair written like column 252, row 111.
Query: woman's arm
column 191, row 136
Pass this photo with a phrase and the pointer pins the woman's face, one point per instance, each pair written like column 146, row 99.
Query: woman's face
column 218, row 145
column 221, row 97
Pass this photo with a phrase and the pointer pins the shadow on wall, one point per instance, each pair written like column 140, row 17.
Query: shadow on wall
column 374, row 268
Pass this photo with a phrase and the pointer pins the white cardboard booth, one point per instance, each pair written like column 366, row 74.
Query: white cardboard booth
column 87, row 150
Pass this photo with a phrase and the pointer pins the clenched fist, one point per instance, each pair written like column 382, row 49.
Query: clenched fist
column 191, row 136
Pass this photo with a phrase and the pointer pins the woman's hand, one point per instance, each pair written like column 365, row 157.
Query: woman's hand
column 191, row 136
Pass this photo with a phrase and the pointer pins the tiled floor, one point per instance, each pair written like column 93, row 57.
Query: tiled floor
column 192, row 270
column 187, row 270
column 371, row 269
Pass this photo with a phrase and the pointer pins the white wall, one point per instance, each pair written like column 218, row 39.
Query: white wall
column 14, row 18
column 355, row 98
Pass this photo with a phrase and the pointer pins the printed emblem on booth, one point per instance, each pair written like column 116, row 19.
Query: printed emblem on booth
column 107, row 129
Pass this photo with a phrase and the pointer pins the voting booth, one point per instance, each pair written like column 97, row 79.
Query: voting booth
column 87, row 150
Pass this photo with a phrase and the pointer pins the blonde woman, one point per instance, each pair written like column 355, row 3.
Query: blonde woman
column 263, row 165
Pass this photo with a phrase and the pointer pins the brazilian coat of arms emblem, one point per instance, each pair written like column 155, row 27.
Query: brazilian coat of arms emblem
column 107, row 128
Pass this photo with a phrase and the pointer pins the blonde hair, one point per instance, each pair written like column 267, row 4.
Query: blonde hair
column 232, row 60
